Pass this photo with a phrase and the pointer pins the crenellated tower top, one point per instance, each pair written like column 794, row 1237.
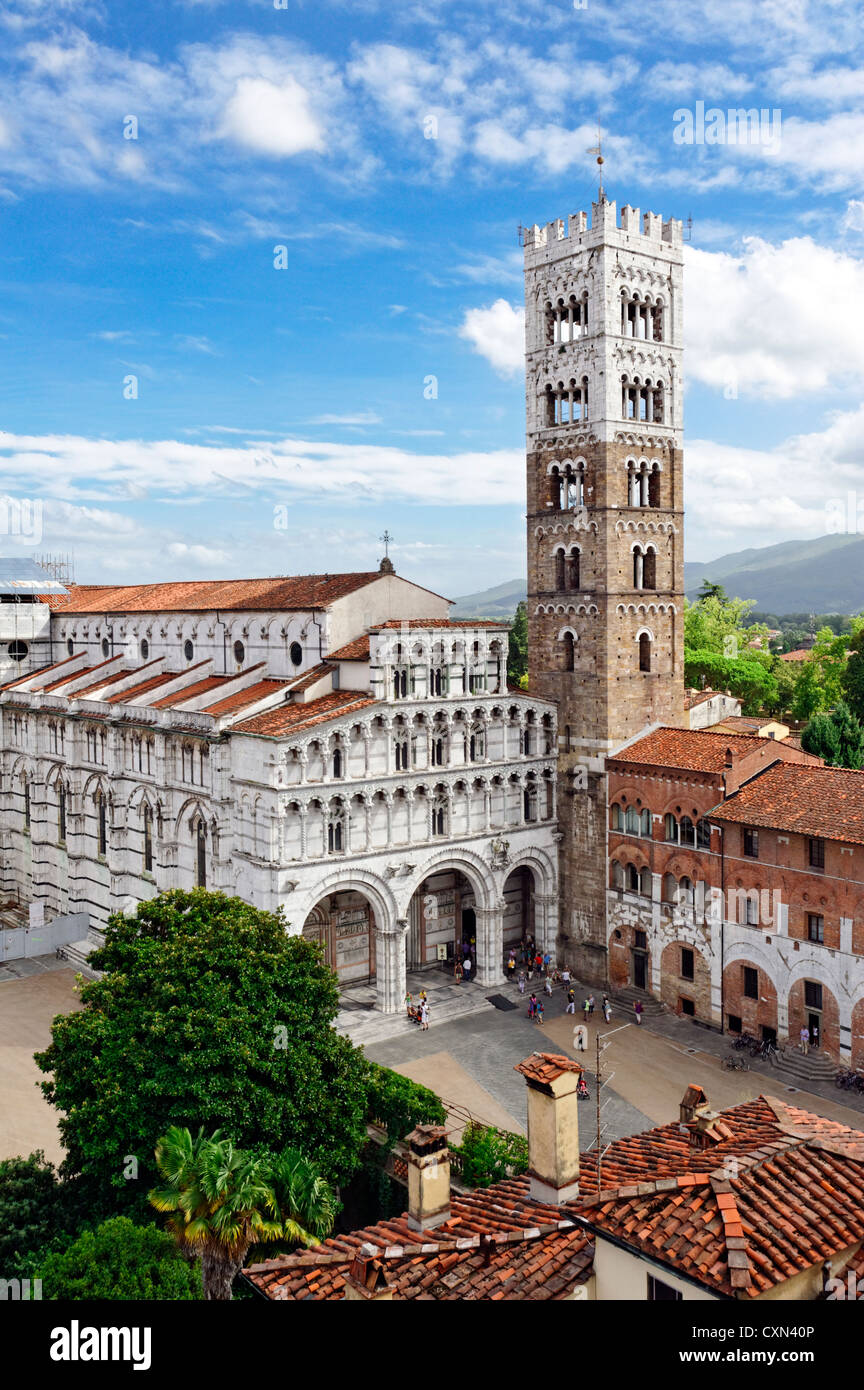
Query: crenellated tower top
column 634, row 231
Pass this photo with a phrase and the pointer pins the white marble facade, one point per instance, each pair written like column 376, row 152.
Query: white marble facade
column 357, row 761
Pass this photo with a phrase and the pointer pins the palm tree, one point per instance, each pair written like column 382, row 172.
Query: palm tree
column 222, row 1200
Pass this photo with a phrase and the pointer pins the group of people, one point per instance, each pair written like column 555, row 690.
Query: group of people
column 809, row 1037
column 418, row 1012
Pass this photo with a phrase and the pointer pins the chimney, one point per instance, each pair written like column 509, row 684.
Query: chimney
column 428, row 1177
column 698, row 1118
column 366, row 1279
column 553, row 1126
column 693, row 1101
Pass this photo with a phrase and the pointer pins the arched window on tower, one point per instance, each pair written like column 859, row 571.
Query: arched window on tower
column 644, row 652
column 200, row 855
column 569, row 651
column 649, row 571
column 573, row 564
column 148, row 839
column 337, row 762
column 559, row 569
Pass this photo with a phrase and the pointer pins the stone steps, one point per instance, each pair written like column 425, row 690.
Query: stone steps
column 626, row 998
column 368, row 1027
column 77, row 953
column 814, row 1067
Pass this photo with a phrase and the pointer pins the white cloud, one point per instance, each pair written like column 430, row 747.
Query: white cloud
column 275, row 120
column 201, row 554
column 774, row 321
column 498, row 334
column 77, row 468
column 366, row 417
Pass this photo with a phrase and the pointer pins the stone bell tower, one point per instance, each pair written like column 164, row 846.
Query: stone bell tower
column 605, row 511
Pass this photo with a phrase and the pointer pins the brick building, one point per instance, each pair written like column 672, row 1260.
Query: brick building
column 736, row 885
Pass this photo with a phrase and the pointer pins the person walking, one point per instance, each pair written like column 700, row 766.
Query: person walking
column 547, row 986
column 408, row 1003
column 532, row 1006
column 814, row 1036
column 565, row 978
column 571, row 1002
column 538, row 1015
column 424, row 1016
column 585, row 1008
column 607, row 1009
column 804, row 1037
column 511, row 967
column 547, row 961
column 466, row 969
column 457, row 972
column 637, row 1009
column 538, row 963
column 590, row 1003
column 521, row 981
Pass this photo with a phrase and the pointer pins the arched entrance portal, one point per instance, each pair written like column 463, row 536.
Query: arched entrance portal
column 442, row 921
column 344, row 924
column 520, row 909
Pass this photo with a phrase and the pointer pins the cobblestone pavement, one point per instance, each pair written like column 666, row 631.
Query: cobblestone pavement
column 646, row 1068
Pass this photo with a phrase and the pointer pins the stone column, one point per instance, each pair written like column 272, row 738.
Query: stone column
column 390, row 965
column 490, row 945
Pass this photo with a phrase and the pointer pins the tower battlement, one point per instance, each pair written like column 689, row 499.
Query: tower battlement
column 604, row 226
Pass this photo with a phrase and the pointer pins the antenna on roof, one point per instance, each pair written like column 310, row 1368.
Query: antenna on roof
column 688, row 229
column 60, row 567
column 598, row 151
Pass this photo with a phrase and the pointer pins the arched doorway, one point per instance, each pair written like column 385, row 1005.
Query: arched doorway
column 443, row 921
column 520, row 911
column 343, row 924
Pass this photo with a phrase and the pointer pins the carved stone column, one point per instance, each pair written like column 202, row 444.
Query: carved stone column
column 390, row 965
column 490, row 945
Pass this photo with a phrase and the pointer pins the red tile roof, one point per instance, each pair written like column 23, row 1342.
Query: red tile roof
column 358, row 650
column 546, row 1066
column 297, row 592
column 190, row 691
column 55, row 666
column 827, row 802
column 698, row 697
column 311, row 677
column 776, row 1191
column 290, row 719
column 152, row 683
column 477, row 623
column 498, row 1244
column 695, row 750
column 800, row 654
column 249, row 695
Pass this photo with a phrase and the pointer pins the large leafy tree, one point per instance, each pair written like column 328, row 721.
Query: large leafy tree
column 852, row 680
column 210, row 1014
column 517, row 651
column 837, row 737
column 223, row 1199
column 29, row 1211
column 120, row 1260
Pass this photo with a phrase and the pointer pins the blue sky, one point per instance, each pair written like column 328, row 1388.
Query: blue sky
column 306, row 126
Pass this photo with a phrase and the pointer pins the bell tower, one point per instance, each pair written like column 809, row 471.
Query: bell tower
column 604, row 393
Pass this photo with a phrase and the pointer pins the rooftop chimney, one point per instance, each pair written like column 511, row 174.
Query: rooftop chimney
column 553, row 1126
column 428, row 1177
column 366, row 1279
column 693, row 1101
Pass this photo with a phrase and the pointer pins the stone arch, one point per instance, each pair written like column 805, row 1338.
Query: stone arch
column 354, row 880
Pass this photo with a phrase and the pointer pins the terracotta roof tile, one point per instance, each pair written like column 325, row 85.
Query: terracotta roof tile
column 290, row 719
column 249, row 695
column 801, row 797
column 546, row 1066
column 358, row 650
column 201, row 595
column 698, row 750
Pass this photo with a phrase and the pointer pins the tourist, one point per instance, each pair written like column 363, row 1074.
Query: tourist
column 521, row 981
column 466, row 968
column 814, row 1036
column 637, row 1009
column 571, row 1002
column 585, row 1008
column 590, row 1003
column 457, row 972
column 538, row 1012
column 408, row 1002
column 607, row 1009
column 547, row 986
column 532, row 1006
column 547, row 961
column 565, row 978
column 424, row 1015
column 804, row 1035
column 582, row 1089
column 511, row 966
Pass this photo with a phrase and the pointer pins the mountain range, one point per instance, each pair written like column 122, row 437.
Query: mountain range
column 825, row 575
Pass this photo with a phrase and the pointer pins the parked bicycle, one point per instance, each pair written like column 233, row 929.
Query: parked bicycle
column 744, row 1042
column 732, row 1062
column 847, row 1080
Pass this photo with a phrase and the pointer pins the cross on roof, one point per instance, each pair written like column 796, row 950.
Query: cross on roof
column 386, row 538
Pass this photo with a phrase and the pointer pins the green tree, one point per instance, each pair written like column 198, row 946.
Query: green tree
column 852, row 680
column 838, row 738
column 210, row 1014
column 809, row 693
column 29, row 1211
column 120, row 1260
column 489, row 1155
column 517, row 647
column 222, row 1200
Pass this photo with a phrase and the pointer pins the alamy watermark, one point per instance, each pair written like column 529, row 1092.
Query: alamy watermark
column 736, row 126
column 21, row 517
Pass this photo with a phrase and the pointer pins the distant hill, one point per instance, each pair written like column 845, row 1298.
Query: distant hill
column 825, row 575
column 499, row 602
